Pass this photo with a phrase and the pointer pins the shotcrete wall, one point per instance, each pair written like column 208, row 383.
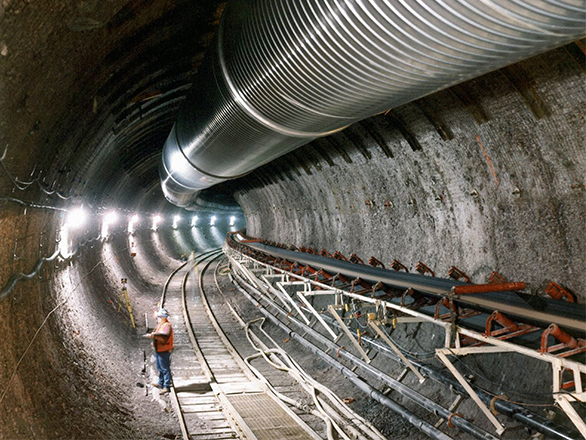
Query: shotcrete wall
column 51, row 386
column 488, row 175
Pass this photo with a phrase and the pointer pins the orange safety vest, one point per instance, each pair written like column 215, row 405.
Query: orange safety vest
column 167, row 345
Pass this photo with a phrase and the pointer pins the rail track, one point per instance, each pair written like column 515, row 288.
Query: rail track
column 217, row 393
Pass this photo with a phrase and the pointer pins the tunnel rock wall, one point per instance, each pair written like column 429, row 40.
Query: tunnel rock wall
column 48, row 384
column 487, row 175
column 64, row 353
column 22, row 399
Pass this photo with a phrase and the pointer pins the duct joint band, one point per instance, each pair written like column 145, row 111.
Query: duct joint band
column 199, row 170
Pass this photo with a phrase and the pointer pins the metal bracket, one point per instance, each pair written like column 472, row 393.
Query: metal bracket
column 406, row 361
column 453, row 407
column 564, row 400
column 441, row 354
column 349, row 334
column 293, row 303
column 317, row 315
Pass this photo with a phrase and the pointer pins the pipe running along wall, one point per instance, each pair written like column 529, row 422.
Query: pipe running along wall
column 283, row 73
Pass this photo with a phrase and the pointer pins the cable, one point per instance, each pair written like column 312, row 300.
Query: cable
column 30, row 204
column 295, row 370
column 14, row 279
column 23, row 185
column 509, row 391
column 45, row 321
column 428, row 354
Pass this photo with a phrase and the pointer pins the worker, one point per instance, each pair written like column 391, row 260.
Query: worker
column 162, row 338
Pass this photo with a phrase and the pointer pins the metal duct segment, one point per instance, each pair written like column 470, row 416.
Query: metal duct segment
column 282, row 73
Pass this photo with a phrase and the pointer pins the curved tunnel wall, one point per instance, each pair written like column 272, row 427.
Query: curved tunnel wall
column 89, row 117
column 486, row 176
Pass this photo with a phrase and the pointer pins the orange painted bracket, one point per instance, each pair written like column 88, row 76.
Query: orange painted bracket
column 423, row 269
column 374, row 262
column 558, row 292
column 396, row 265
column 496, row 278
column 456, row 274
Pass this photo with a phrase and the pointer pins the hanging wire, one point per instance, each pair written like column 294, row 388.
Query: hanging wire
column 23, row 185
column 47, row 318
column 509, row 390
column 30, row 204
column 14, row 279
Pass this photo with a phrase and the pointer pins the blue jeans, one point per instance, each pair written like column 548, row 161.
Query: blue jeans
column 163, row 362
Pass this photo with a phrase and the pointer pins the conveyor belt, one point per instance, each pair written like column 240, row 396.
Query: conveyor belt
column 526, row 308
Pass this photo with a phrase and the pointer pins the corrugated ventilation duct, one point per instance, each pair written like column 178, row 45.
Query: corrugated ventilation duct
column 282, row 73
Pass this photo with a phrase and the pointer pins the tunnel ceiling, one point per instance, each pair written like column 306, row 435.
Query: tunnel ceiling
column 89, row 91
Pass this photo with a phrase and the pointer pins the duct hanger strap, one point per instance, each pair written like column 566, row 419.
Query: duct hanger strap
column 255, row 114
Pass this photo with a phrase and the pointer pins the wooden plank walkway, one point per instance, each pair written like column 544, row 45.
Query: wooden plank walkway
column 216, row 396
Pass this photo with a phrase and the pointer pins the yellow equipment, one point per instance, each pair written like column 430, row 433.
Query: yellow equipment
column 124, row 296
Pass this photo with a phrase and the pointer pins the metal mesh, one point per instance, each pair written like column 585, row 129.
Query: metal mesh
column 265, row 418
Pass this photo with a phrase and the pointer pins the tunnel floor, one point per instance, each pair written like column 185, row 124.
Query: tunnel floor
column 152, row 416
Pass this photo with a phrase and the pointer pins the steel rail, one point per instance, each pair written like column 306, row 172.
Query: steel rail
column 524, row 307
column 174, row 398
column 236, row 356
column 198, row 259
column 215, row 324
column 234, row 419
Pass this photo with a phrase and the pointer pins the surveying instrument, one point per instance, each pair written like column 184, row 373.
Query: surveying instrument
column 124, row 297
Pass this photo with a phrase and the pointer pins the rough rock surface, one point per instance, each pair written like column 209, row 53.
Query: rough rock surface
column 485, row 176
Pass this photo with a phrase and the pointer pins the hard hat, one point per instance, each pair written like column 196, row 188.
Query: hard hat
column 162, row 313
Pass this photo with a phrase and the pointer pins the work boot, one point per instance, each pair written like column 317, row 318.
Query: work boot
column 164, row 391
column 156, row 385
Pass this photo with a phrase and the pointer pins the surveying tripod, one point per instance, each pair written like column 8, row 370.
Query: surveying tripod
column 124, row 297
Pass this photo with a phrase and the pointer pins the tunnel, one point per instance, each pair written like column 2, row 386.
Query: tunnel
column 474, row 166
